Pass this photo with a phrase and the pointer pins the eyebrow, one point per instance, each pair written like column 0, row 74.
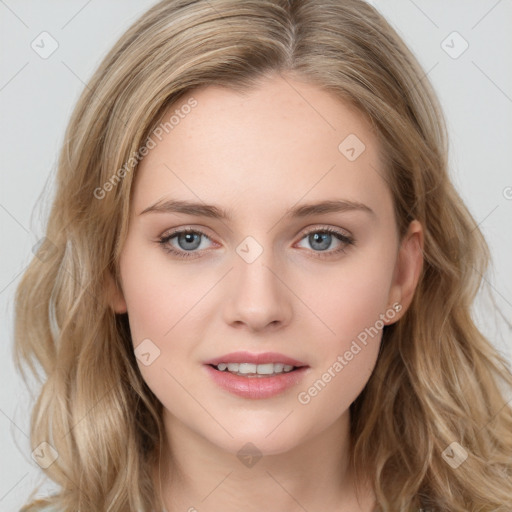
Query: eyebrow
column 212, row 211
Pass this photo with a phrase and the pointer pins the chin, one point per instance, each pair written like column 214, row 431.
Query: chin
column 257, row 441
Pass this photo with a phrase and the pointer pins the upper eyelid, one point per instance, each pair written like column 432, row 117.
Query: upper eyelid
column 305, row 231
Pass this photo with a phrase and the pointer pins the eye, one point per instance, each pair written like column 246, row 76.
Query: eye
column 321, row 239
column 188, row 240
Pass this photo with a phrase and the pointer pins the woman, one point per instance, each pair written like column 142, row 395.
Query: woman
column 314, row 347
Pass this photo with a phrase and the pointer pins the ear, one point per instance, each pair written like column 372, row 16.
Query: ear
column 115, row 295
column 407, row 271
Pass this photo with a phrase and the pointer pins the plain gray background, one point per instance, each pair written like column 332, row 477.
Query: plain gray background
column 37, row 96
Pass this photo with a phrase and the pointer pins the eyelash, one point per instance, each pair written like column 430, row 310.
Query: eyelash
column 164, row 241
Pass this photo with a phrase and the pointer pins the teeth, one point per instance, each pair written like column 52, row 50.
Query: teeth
column 246, row 368
column 259, row 369
column 266, row 369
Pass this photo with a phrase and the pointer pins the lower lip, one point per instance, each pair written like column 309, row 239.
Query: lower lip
column 256, row 387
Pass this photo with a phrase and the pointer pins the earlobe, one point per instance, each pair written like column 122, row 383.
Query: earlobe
column 115, row 296
column 408, row 269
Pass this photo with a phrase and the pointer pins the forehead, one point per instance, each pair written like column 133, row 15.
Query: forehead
column 274, row 144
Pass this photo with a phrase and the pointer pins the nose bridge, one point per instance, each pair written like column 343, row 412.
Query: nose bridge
column 257, row 297
column 255, row 268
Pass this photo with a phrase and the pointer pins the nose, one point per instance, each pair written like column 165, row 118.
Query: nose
column 257, row 296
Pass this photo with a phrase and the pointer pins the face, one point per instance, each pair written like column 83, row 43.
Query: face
column 281, row 281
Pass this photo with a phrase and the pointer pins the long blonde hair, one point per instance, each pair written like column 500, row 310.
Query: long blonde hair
column 437, row 379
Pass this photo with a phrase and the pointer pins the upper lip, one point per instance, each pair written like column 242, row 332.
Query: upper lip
column 248, row 357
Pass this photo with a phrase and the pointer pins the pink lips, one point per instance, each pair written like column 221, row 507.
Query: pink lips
column 256, row 387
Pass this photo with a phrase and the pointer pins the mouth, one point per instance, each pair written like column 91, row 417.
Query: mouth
column 252, row 370
column 256, row 376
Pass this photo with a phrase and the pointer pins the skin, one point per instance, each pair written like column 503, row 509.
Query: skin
column 256, row 155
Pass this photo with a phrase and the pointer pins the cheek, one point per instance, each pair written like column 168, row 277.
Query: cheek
column 158, row 295
column 350, row 303
column 164, row 315
column 346, row 351
column 347, row 299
